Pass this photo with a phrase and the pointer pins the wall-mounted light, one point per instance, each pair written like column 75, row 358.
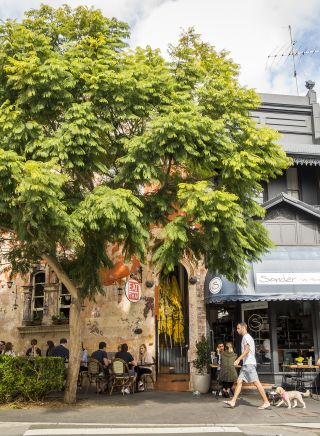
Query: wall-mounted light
column 193, row 280
column 120, row 291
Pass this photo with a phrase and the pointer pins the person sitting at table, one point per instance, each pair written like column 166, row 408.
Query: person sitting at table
column 127, row 357
column 227, row 374
column 145, row 358
column 61, row 350
column 8, row 350
column 83, row 364
column 101, row 356
column 50, row 348
column 2, row 345
column 34, row 350
column 84, row 358
column 266, row 351
column 219, row 351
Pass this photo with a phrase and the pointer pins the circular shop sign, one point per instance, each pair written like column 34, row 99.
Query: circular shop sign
column 133, row 290
column 215, row 285
column 255, row 322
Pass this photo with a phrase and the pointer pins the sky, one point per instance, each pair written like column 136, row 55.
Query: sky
column 249, row 29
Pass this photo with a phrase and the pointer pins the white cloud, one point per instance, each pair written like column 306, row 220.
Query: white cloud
column 249, row 29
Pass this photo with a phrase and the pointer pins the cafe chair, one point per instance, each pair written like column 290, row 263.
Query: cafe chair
column 304, row 381
column 95, row 375
column 120, row 377
column 147, row 379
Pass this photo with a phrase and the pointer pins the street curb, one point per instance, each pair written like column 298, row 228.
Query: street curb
column 315, row 425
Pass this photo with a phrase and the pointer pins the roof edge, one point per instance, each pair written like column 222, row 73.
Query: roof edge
column 287, row 199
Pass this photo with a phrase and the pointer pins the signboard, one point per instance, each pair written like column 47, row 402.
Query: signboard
column 304, row 278
column 215, row 285
column 133, row 290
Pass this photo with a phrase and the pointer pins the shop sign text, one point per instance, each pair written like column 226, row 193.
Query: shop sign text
column 287, row 278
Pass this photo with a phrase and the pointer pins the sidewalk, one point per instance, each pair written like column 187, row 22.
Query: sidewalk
column 164, row 408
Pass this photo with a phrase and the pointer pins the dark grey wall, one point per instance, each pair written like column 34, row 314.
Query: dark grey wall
column 309, row 182
column 275, row 187
column 287, row 226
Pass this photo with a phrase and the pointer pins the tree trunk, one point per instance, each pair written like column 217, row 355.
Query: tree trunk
column 70, row 395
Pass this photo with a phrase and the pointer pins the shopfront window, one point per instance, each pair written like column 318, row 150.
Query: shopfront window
column 255, row 315
column 294, row 331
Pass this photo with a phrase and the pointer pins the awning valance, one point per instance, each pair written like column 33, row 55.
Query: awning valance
column 285, row 273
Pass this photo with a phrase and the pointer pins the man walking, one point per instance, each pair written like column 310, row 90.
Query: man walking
column 248, row 371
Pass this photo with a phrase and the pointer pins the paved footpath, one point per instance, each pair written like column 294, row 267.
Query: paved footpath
column 163, row 410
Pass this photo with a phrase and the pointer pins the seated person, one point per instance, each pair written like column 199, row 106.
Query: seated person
column 266, row 351
column 34, row 350
column 101, row 356
column 145, row 358
column 61, row 350
column 227, row 374
column 127, row 357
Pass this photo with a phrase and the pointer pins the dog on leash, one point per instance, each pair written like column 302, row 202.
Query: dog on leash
column 288, row 396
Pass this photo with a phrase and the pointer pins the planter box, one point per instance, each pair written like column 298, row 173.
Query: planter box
column 33, row 322
column 60, row 321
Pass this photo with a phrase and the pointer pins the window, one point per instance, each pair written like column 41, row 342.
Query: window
column 64, row 302
column 38, row 282
column 293, row 182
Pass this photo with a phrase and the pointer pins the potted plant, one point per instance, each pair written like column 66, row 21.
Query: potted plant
column 201, row 379
column 60, row 319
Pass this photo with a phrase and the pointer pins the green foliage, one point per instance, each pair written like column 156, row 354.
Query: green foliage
column 100, row 142
column 203, row 353
column 25, row 379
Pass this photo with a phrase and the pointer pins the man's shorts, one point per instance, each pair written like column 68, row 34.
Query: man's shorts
column 248, row 374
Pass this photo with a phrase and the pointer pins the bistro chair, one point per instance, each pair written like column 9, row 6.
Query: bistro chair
column 120, row 376
column 95, row 374
column 149, row 378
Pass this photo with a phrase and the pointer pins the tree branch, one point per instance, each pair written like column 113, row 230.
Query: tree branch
column 61, row 274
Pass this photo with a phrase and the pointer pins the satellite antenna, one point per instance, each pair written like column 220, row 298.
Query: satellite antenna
column 292, row 52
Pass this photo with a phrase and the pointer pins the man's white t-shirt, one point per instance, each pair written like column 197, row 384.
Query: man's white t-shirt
column 250, row 358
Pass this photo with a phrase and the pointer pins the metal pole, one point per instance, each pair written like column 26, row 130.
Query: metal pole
column 293, row 59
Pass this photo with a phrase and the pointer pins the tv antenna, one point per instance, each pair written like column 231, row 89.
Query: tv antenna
column 291, row 51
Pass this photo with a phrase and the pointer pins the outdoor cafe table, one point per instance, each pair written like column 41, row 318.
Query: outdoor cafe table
column 304, row 374
column 215, row 365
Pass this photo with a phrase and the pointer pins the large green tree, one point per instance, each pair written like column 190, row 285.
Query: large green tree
column 98, row 141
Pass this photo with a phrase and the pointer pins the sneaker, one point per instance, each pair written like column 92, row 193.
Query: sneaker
column 127, row 391
column 140, row 383
column 141, row 388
